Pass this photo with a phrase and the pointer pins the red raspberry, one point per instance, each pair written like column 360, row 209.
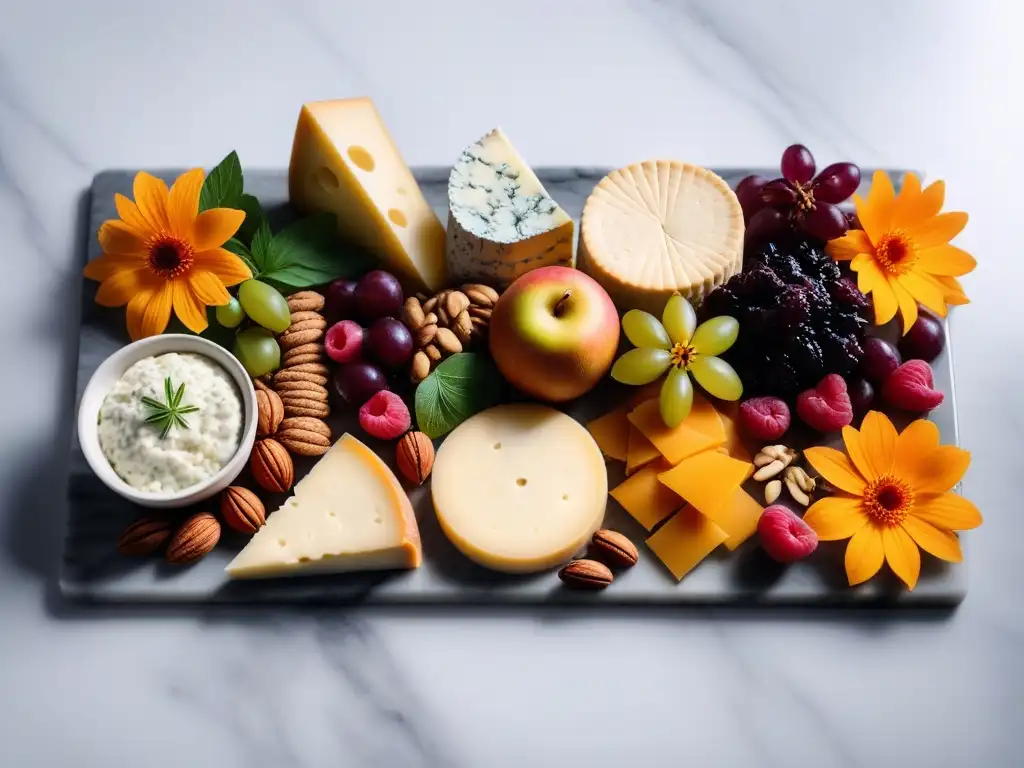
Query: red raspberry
column 385, row 416
column 765, row 418
column 784, row 535
column 912, row 388
column 827, row 407
column 344, row 342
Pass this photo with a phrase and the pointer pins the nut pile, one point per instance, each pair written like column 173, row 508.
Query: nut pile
column 774, row 461
column 301, row 381
column 446, row 323
column 608, row 549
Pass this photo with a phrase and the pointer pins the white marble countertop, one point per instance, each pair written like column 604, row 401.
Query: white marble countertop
column 87, row 86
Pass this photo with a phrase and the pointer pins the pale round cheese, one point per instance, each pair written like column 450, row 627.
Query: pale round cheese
column 519, row 488
column 659, row 227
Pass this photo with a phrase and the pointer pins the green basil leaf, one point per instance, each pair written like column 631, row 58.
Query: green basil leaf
column 239, row 248
column 223, row 185
column 308, row 253
column 460, row 387
column 262, row 248
column 254, row 217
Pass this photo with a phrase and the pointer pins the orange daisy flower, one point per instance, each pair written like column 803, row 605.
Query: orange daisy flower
column 162, row 254
column 894, row 496
column 902, row 255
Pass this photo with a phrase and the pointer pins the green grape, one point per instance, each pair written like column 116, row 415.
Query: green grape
column 230, row 315
column 257, row 350
column 679, row 319
column 265, row 305
column 676, row 397
column 643, row 330
column 715, row 335
column 717, row 377
column 641, row 366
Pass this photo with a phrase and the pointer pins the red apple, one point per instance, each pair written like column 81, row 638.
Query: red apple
column 553, row 333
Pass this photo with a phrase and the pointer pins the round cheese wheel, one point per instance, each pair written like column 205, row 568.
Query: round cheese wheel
column 651, row 229
column 519, row 488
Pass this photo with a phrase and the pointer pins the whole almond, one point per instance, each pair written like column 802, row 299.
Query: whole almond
column 430, row 318
column 304, row 436
column 613, row 548
column 196, row 537
column 144, row 536
column 586, row 574
column 420, row 367
column 306, row 301
column 425, row 334
column 456, row 303
column 415, row 457
column 442, row 315
column 448, row 341
column 482, row 295
column 242, row 509
column 412, row 313
column 482, row 312
column 433, row 353
column 269, row 412
column 293, row 375
column 462, row 327
column 271, row 466
column 430, row 304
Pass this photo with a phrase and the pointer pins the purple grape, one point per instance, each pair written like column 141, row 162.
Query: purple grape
column 779, row 192
column 765, row 225
column 798, row 164
column 389, row 343
column 378, row 294
column 880, row 359
column 862, row 395
column 748, row 191
column 824, row 221
column 339, row 301
column 836, row 183
column 356, row 383
column 925, row 339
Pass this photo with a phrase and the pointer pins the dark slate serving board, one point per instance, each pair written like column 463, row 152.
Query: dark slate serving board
column 92, row 571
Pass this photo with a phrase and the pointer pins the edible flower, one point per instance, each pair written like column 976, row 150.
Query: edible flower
column 894, row 496
column 677, row 345
column 163, row 253
column 902, row 255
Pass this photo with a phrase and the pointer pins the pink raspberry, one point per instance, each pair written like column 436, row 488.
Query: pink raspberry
column 827, row 407
column 764, row 418
column 784, row 535
column 344, row 342
column 912, row 388
column 385, row 416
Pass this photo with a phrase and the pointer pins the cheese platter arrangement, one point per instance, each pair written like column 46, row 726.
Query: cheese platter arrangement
column 357, row 382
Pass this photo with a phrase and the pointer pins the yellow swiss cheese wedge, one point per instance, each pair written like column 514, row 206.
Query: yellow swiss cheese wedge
column 345, row 162
column 519, row 488
column 654, row 228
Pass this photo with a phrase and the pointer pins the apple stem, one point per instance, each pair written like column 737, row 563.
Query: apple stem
column 560, row 306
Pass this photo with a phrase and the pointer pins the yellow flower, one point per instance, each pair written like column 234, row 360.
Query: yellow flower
column 903, row 255
column 162, row 253
column 894, row 497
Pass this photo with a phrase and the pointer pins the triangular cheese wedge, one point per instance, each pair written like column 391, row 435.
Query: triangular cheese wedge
column 349, row 513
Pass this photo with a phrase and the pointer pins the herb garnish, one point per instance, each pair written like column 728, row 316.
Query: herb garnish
column 170, row 413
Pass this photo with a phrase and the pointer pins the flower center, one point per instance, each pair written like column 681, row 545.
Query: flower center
column 804, row 196
column 887, row 500
column 895, row 252
column 682, row 355
column 169, row 257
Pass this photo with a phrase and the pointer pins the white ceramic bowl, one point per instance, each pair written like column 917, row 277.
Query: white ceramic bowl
column 113, row 368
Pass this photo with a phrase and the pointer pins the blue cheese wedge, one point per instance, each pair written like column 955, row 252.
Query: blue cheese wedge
column 501, row 221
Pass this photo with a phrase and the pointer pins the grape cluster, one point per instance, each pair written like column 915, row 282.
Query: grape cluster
column 799, row 200
column 255, row 346
column 800, row 318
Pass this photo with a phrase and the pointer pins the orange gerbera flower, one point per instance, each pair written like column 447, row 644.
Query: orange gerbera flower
column 894, row 497
column 162, row 253
column 903, row 255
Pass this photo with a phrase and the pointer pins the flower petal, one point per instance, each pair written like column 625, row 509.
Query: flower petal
column 873, row 448
column 188, row 308
column 938, row 230
column 207, row 288
column 151, row 198
column 107, row 264
column 935, row 541
column 117, row 237
column 924, row 291
column 868, row 273
column 947, row 510
column 902, row 555
column 224, row 264
column 952, row 291
column 875, row 211
column 946, row 260
column 131, row 215
column 118, row 289
column 849, row 245
column 885, row 301
column 908, row 307
column 864, row 555
column 913, row 206
column 152, row 317
column 216, row 226
column 935, row 471
column 836, row 517
column 183, row 203
column 135, row 311
column 932, row 198
column 836, row 468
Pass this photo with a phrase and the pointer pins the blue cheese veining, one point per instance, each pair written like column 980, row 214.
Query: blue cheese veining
column 185, row 457
column 501, row 220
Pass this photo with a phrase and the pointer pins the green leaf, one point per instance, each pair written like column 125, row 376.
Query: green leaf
column 460, row 387
column 308, row 253
column 223, row 185
column 241, row 250
column 261, row 248
column 254, row 217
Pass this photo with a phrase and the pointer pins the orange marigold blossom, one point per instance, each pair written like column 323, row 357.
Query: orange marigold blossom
column 162, row 253
column 894, row 496
column 902, row 255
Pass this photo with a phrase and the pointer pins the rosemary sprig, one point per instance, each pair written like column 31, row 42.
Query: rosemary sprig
column 170, row 413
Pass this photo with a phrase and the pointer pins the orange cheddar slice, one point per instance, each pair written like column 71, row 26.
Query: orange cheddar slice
column 735, row 444
column 737, row 517
column 639, row 451
column 703, row 418
column 646, row 499
column 685, row 540
column 675, row 444
column 707, row 480
column 611, row 433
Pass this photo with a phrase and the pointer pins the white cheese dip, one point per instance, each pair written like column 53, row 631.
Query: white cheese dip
column 186, row 457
